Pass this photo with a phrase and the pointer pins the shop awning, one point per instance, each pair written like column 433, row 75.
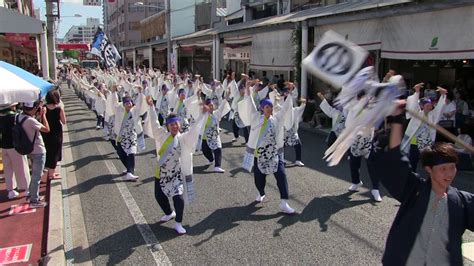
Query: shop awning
column 272, row 51
column 14, row 22
column 438, row 35
column 241, row 39
column 205, row 43
column 365, row 33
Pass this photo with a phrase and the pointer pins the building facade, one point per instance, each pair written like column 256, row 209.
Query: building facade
column 22, row 36
column 123, row 20
column 82, row 33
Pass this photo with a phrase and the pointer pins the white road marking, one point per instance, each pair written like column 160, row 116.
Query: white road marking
column 153, row 245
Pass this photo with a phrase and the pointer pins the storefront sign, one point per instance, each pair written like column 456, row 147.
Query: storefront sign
column 236, row 54
column 335, row 60
column 17, row 38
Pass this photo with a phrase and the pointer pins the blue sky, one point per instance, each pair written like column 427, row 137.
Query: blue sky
column 69, row 8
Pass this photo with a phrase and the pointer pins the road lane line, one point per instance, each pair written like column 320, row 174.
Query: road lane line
column 152, row 243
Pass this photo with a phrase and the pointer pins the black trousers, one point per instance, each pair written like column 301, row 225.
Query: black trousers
column 163, row 201
column 414, row 157
column 236, row 129
column 212, row 155
column 161, row 119
column 127, row 160
column 355, row 163
column 297, row 148
column 100, row 120
column 280, row 176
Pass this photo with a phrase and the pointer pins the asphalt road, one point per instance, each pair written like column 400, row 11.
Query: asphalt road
column 225, row 225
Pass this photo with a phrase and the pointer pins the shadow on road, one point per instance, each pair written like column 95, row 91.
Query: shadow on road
column 91, row 183
column 83, row 141
column 116, row 247
column 225, row 219
column 320, row 209
column 79, row 163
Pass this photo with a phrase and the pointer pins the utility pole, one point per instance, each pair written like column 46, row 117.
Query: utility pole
column 51, row 38
column 168, row 33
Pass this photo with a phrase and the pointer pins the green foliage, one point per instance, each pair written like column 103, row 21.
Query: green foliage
column 296, row 41
column 71, row 54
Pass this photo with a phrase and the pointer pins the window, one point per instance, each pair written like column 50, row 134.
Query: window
column 155, row 7
column 134, row 8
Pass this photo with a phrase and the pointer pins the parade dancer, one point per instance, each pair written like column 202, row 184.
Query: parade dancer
column 363, row 147
column 211, row 141
column 174, row 155
column 181, row 109
column 291, row 137
column 433, row 215
column 419, row 135
column 237, row 123
column 213, row 92
column 265, row 145
column 126, row 122
column 338, row 117
column 99, row 105
column 163, row 102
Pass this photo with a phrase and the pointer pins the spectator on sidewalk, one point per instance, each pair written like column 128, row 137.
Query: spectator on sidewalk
column 35, row 123
column 53, row 140
column 265, row 79
column 462, row 110
column 13, row 162
column 465, row 156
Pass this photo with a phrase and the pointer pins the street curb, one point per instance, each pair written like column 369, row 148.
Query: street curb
column 55, row 241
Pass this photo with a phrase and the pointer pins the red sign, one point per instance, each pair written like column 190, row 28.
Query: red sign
column 21, row 209
column 73, row 46
column 15, row 254
column 18, row 38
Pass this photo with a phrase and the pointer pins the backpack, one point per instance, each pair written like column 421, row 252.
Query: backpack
column 21, row 142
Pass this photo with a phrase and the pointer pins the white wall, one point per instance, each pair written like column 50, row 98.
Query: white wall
column 232, row 6
column 183, row 14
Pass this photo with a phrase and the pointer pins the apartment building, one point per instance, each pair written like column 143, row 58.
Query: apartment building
column 82, row 33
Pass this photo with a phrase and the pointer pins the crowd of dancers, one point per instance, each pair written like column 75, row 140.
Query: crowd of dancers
column 182, row 114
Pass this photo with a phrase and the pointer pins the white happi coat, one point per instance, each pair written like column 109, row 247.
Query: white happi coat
column 271, row 143
column 415, row 124
column 178, row 162
column 338, row 117
column 126, row 126
column 291, row 133
column 211, row 132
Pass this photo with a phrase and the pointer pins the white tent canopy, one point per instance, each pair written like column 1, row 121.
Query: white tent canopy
column 439, row 35
column 272, row 51
column 14, row 22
